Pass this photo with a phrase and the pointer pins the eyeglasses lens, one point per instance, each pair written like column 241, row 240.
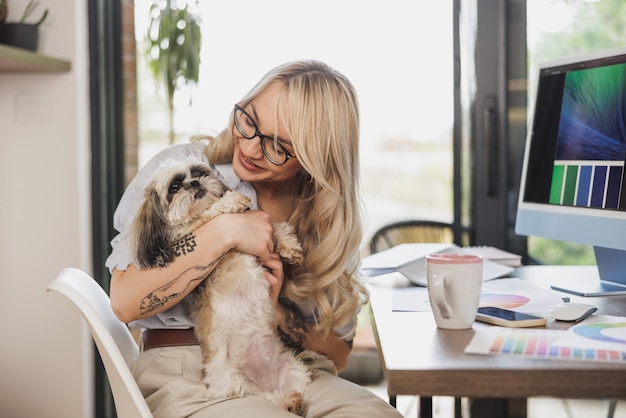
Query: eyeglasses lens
column 248, row 129
column 245, row 125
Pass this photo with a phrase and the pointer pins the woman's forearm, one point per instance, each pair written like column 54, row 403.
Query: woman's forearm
column 137, row 293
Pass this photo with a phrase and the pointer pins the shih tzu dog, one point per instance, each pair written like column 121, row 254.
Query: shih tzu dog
column 233, row 312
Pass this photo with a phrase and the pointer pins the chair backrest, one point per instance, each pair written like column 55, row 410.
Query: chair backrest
column 411, row 231
column 115, row 343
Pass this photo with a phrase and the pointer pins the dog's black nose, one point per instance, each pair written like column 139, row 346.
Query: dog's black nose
column 194, row 183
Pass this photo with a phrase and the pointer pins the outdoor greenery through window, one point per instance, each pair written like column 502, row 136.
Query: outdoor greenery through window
column 557, row 29
column 398, row 54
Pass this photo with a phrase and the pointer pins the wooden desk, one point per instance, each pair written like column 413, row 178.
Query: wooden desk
column 420, row 359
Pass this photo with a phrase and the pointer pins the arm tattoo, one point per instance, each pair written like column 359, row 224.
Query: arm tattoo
column 185, row 245
column 177, row 287
column 295, row 327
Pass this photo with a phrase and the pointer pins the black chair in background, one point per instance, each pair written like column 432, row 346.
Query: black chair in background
column 411, row 231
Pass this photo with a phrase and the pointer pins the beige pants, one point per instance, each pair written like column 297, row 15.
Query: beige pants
column 169, row 379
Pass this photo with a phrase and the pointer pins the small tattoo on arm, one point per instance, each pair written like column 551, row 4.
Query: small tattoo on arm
column 185, row 245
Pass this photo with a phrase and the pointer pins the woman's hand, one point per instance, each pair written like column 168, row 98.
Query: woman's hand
column 275, row 275
column 250, row 232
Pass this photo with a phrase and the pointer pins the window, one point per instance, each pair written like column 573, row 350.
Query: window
column 398, row 55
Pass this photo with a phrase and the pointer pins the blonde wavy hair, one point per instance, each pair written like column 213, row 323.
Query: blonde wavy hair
column 323, row 125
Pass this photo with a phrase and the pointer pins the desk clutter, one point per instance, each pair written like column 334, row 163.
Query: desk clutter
column 598, row 338
column 417, row 356
column 410, row 261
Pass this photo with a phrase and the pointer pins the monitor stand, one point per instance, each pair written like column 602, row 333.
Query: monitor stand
column 612, row 269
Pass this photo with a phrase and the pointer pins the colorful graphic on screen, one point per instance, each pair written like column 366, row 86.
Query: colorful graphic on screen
column 591, row 145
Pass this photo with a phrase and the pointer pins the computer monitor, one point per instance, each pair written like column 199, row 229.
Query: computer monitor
column 572, row 184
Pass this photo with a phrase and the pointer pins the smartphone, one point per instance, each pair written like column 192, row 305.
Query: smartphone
column 507, row 318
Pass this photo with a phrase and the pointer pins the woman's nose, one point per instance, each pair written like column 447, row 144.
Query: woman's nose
column 251, row 147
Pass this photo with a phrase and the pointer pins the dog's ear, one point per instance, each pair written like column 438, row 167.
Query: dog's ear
column 150, row 243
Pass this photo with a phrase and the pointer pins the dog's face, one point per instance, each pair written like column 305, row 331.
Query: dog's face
column 182, row 190
column 177, row 194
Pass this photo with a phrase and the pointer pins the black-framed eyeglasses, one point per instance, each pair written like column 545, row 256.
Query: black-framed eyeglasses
column 272, row 149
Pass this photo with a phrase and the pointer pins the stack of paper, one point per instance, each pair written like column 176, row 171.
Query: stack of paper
column 410, row 260
column 496, row 254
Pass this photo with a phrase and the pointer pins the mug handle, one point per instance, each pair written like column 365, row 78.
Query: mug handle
column 439, row 295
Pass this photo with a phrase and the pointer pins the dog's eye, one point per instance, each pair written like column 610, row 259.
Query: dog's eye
column 176, row 183
column 174, row 188
column 200, row 171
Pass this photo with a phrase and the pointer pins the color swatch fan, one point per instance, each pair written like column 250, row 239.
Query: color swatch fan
column 600, row 338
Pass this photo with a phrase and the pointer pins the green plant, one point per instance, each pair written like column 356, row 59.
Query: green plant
column 28, row 11
column 173, row 48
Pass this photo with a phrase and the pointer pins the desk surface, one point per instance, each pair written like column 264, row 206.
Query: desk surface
column 418, row 358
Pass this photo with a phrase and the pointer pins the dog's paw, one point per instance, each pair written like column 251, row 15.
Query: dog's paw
column 293, row 402
column 287, row 244
column 235, row 202
column 225, row 383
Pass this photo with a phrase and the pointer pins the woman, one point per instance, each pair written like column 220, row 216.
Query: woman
column 291, row 146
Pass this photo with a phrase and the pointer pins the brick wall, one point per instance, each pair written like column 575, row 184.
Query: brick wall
column 129, row 68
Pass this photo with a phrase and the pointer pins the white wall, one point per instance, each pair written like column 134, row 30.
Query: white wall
column 45, row 351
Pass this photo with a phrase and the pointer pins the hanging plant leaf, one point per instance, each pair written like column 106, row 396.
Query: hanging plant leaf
column 173, row 45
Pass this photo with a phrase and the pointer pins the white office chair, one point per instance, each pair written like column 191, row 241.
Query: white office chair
column 113, row 339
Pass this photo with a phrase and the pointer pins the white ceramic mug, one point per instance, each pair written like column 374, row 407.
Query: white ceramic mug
column 454, row 283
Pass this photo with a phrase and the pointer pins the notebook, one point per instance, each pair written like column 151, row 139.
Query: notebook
column 410, row 261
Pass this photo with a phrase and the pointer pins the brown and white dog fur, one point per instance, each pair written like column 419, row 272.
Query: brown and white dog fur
column 233, row 313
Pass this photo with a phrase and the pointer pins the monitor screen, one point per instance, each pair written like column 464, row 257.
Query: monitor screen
column 572, row 185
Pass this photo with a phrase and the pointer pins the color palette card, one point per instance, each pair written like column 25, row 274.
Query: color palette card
column 536, row 343
column 601, row 332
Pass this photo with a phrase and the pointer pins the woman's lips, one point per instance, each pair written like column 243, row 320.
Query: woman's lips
column 247, row 164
